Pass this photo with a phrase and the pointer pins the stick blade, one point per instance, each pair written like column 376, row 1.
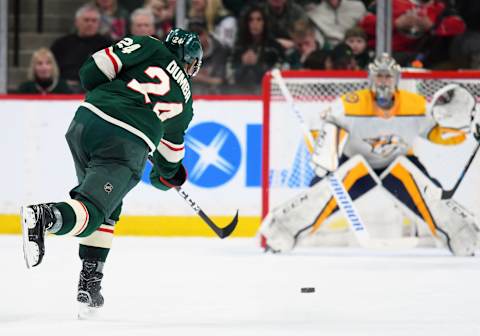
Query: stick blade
column 228, row 230
column 221, row 232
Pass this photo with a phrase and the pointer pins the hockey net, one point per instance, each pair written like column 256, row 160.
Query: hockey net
column 286, row 170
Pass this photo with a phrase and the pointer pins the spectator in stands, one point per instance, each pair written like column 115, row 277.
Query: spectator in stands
column 131, row 5
column 421, row 30
column 341, row 58
column 465, row 48
column 308, row 4
column 221, row 23
column 368, row 3
column 173, row 5
column 356, row 38
column 332, row 18
column 142, row 22
column 163, row 13
column 72, row 50
column 43, row 75
column 316, row 60
column 256, row 51
column 281, row 16
column 212, row 75
column 113, row 19
column 303, row 35
column 236, row 7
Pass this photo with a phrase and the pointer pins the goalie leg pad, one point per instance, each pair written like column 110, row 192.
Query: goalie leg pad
column 305, row 213
column 422, row 197
column 457, row 227
column 286, row 222
column 405, row 181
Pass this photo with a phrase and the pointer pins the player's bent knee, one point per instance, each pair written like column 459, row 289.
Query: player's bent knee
column 90, row 219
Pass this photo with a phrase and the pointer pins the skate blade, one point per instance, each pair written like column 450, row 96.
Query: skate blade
column 30, row 249
column 87, row 313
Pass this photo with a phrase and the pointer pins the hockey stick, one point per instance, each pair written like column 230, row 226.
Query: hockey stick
column 221, row 232
column 342, row 197
column 446, row 194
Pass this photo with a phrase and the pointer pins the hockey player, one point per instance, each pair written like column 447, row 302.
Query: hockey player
column 139, row 101
column 366, row 138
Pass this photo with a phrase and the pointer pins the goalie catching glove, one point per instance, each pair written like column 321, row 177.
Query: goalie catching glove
column 454, row 107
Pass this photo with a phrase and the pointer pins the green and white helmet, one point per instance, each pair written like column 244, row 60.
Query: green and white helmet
column 186, row 47
column 384, row 65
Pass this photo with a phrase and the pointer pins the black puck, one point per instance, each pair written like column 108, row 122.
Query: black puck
column 308, row 290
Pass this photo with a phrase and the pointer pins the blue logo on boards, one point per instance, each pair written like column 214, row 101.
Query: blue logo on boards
column 212, row 155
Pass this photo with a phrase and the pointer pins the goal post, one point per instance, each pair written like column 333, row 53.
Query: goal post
column 285, row 167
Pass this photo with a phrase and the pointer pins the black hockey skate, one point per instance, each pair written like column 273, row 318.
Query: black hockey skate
column 36, row 219
column 89, row 296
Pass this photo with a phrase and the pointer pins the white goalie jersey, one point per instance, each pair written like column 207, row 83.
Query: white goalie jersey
column 381, row 136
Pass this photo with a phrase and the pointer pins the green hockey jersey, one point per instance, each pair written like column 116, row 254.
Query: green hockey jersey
column 139, row 85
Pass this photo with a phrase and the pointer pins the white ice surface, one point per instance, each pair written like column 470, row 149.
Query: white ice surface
column 206, row 287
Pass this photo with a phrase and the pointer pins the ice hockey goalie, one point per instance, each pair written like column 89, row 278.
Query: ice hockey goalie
column 366, row 137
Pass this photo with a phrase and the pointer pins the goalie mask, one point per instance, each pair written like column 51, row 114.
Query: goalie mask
column 383, row 78
column 453, row 107
column 187, row 48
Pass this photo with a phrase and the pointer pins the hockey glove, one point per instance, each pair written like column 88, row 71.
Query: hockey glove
column 452, row 107
column 163, row 183
column 328, row 148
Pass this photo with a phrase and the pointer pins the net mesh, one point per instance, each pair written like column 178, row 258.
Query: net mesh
column 289, row 168
column 327, row 89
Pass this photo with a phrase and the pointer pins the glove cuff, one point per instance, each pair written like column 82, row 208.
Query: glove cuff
column 167, row 183
column 175, row 181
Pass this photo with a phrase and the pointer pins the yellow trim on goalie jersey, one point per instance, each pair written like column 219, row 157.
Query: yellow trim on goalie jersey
column 166, row 226
column 406, row 104
column 446, row 136
column 402, row 174
column 355, row 174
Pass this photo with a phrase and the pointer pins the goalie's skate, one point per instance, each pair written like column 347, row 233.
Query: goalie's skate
column 89, row 296
column 35, row 220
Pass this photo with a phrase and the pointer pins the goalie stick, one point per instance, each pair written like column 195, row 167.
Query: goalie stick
column 221, row 232
column 447, row 194
column 342, row 197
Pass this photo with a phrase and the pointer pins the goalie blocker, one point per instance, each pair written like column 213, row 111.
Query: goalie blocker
column 404, row 181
